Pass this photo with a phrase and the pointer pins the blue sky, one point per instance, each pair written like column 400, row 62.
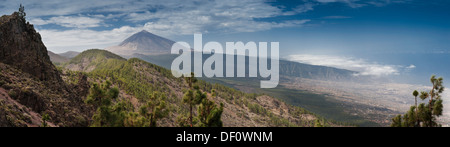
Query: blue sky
column 347, row 31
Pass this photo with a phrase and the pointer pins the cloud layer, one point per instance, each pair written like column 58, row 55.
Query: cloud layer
column 79, row 19
column 362, row 66
column 70, row 21
column 87, row 20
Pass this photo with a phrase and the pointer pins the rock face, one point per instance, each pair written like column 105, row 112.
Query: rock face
column 30, row 85
column 144, row 43
column 21, row 46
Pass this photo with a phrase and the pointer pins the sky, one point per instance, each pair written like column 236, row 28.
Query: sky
column 348, row 34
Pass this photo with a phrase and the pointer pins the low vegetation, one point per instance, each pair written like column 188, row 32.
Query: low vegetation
column 162, row 99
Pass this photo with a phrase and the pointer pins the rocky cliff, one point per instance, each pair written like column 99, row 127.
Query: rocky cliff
column 21, row 47
column 31, row 86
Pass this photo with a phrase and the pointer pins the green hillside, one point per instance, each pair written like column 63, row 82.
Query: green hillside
column 90, row 59
column 138, row 81
column 96, row 54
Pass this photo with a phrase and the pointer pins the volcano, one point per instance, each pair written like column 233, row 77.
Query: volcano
column 144, row 43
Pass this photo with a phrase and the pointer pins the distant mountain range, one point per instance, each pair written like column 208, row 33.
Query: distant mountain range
column 56, row 58
column 156, row 49
column 69, row 54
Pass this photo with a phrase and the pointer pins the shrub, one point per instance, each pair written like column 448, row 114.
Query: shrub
column 12, row 94
column 7, row 86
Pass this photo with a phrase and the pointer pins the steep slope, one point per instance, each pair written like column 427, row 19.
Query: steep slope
column 300, row 70
column 21, row 47
column 143, row 43
column 31, row 98
column 31, row 86
column 137, row 80
column 57, row 59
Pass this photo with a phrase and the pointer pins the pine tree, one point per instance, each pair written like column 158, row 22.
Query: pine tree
column 397, row 121
column 134, row 119
column 209, row 114
column 415, row 94
column 183, row 121
column 213, row 93
column 45, row 118
column 317, row 123
column 214, row 118
column 155, row 109
column 424, row 115
column 101, row 97
column 193, row 96
column 22, row 13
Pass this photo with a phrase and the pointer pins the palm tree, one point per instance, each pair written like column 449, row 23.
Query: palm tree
column 415, row 94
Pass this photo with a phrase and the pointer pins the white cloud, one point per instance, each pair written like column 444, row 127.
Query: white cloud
column 81, row 39
column 162, row 17
column 301, row 9
column 70, row 21
column 216, row 16
column 362, row 66
column 411, row 66
column 69, row 7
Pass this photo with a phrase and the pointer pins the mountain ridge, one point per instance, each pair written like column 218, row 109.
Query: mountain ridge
column 89, row 60
column 163, row 58
column 69, row 54
column 56, row 58
column 143, row 43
